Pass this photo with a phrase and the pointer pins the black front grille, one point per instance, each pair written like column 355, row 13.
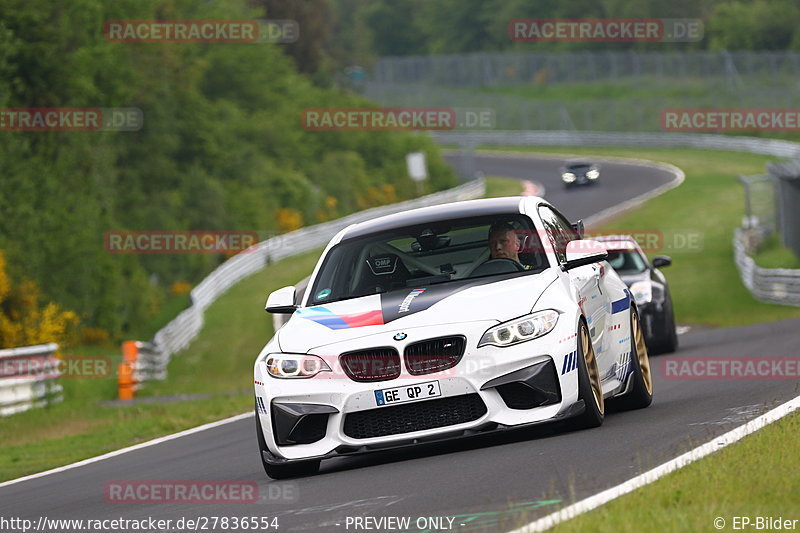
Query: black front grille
column 434, row 355
column 373, row 364
column 415, row 416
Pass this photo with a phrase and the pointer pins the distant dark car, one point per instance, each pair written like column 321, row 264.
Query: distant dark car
column 579, row 172
column 649, row 289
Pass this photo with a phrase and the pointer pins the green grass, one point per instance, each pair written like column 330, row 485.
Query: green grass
column 705, row 283
column 645, row 89
column 772, row 254
column 219, row 361
column 171, row 308
column 756, row 476
column 496, row 187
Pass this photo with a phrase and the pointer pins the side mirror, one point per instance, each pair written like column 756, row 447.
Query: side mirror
column 661, row 261
column 579, row 229
column 281, row 301
column 583, row 252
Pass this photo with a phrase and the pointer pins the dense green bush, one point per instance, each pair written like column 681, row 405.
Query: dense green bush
column 222, row 148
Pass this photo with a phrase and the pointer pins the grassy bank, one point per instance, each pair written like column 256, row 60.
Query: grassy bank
column 219, row 362
column 772, row 254
column 753, row 477
column 705, row 283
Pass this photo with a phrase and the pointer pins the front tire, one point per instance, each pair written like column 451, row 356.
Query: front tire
column 589, row 388
column 669, row 343
column 283, row 471
column 641, row 395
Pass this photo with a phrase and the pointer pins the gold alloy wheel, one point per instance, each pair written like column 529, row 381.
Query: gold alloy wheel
column 641, row 353
column 591, row 367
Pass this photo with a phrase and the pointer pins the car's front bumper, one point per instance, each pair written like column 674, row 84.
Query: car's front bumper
column 487, row 428
column 581, row 179
column 490, row 389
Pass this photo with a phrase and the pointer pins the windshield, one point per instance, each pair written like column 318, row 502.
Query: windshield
column 627, row 261
column 422, row 255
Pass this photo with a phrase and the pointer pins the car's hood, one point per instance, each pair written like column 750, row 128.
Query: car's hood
column 446, row 303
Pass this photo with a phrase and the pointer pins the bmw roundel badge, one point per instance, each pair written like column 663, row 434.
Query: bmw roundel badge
column 400, row 336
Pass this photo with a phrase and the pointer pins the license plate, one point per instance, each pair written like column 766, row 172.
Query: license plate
column 408, row 393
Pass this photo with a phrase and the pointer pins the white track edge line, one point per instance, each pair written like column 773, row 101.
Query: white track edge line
column 717, row 443
column 623, row 207
column 135, row 447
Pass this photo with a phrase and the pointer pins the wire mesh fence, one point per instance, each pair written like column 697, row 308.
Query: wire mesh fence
column 760, row 203
column 734, row 70
column 588, row 91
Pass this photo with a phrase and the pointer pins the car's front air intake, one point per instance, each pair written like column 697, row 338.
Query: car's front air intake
column 372, row 364
column 417, row 416
column 434, row 355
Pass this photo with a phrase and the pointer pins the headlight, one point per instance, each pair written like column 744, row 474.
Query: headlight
column 568, row 177
column 642, row 292
column 289, row 365
column 520, row 329
column 593, row 174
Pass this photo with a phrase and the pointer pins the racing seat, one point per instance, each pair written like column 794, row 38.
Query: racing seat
column 384, row 272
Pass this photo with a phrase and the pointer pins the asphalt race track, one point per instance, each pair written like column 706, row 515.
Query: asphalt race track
column 486, row 483
column 618, row 181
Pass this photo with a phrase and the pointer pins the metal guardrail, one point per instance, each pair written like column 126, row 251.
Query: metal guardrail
column 150, row 364
column 471, row 139
column 771, row 285
column 28, row 378
column 779, row 286
column 183, row 329
column 733, row 70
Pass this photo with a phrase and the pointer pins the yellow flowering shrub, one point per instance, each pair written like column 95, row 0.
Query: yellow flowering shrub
column 180, row 287
column 329, row 212
column 24, row 322
column 376, row 196
column 95, row 336
column 289, row 219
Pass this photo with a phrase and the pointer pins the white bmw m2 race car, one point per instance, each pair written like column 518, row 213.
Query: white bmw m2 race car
column 443, row 322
